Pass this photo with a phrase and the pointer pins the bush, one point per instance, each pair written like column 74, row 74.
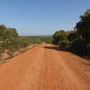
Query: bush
column 88, row 49
column 64, row 43
column 78, row 46
column 59, row 36
column 83, row 26
column 9, row 40
column 72, row 35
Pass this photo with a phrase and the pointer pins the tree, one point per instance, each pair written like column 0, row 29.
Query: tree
column 59, row 36
column 72, row 35
column 83, row 27
column 6, row 33
column 2, row 28
column 10, row 32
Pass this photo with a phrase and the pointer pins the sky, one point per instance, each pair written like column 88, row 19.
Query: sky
column 41, row 17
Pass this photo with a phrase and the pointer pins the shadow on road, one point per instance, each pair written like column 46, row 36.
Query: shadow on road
column 53, row 47
column 65, row 50
column 56, row 48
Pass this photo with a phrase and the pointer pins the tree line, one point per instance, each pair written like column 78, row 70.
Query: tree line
column 11, row 41
column 77, row 40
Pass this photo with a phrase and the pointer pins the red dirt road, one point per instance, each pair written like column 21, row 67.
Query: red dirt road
column 44, row 68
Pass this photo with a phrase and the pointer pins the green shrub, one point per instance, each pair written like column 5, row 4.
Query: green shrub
column 72, row 35
column 83, row 26
column 59, row 36
column 9, row 40
column 79, row 46
column 64, row 43
column 88, row 49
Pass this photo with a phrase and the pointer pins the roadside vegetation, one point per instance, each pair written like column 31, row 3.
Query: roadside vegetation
column 11, row 42
column 77, row 40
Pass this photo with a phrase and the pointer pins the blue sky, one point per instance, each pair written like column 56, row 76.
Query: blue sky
column 41, row 17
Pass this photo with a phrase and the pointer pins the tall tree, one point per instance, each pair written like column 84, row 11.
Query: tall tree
column 59, row 36
column 72, row 35
column 83, row 27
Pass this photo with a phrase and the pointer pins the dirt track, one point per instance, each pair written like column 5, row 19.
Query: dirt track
column 44, row 68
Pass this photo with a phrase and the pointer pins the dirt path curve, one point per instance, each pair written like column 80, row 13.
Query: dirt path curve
column 44, row 68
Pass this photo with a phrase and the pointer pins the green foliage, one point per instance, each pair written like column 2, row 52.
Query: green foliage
column 72, row 35
column 9, row 40
column 88, row 49
column 46, row 39
column 9, row 33
column 64, row 43
column 59, row 36
column 77, row 40
column 78, row 46
column 83, row 27
column 2, row 27
column 83, row 32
